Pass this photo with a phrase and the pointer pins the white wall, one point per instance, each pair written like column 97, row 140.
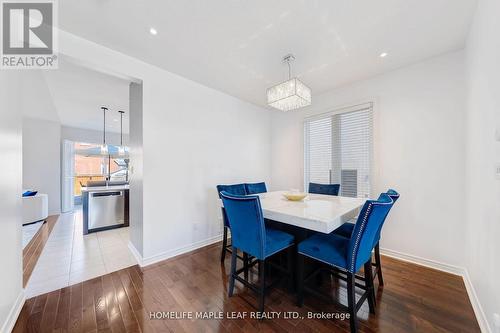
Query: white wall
column 42, row 159
column 483, row 155
column 41, row 140
column 419, row 150
column 11, row 292
column 91, row 136
column 136, row 165
column 194, row 138
column 40, row 104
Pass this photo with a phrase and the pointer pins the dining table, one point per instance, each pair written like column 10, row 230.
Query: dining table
column 316, row 212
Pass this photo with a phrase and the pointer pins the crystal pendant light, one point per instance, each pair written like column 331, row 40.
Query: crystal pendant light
column 104, row 146
column 291, row 94
column 121, row 149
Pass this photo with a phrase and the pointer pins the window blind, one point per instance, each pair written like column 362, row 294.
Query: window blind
column 338, row 150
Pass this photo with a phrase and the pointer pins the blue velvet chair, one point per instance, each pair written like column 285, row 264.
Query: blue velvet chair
column 347, row 255
column 250, row 235
column 255, row 188
column 328, row 189
column 238, row 189
column 346, row 229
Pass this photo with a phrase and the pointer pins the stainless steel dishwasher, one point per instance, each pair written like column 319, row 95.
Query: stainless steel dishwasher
column 106, row 209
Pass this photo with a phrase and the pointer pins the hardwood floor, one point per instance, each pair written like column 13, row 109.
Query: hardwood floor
column 32, row 251
column 414, row 299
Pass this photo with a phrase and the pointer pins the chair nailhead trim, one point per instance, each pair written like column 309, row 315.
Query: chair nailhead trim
column 326, row 262
column 356, row 244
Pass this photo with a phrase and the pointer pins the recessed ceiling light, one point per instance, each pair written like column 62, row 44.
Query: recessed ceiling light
column 384, row 54
column 153, row 31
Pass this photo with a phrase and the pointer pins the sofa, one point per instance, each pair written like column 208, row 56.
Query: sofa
column 35, row 208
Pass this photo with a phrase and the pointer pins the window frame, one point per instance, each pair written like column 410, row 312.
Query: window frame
column 370, row 104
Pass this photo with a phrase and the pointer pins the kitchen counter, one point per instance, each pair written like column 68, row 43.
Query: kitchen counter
column 106, row 188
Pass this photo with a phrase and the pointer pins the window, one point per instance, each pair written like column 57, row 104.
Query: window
column 338, row 150
column 91, row 165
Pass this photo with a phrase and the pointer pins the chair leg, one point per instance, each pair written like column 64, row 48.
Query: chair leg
column 224, row 245
column 378, row 265
column 233, row 271
column 319, row 277
column 291, row 267
column 351, row 301
column 245, row 265
column 262, row 291
column 369, row 285
column 300, row 280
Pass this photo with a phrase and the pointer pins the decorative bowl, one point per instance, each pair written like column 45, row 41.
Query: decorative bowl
column 295, row 196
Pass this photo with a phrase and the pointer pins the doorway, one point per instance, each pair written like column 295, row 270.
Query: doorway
column 65, row 255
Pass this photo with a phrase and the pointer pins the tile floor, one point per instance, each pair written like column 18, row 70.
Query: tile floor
column 69, row 257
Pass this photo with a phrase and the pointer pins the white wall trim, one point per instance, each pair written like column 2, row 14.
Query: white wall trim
column 344, row 109
column 476, row 305
column 172, row 253
column 8, row 326
column 135, row 253
column 456, row 270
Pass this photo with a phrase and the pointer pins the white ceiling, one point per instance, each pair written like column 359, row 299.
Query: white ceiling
column 78, row 93
column 236, row 46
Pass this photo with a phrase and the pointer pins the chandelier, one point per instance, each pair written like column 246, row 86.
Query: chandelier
column 291, row 94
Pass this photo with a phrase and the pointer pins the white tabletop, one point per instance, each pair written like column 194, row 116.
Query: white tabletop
column 323, row 213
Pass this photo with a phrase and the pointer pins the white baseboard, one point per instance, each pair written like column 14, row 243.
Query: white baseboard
column 9, row 323
column 172, row 253
column 476, row 305
column 456, row 270
column 135, row 253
